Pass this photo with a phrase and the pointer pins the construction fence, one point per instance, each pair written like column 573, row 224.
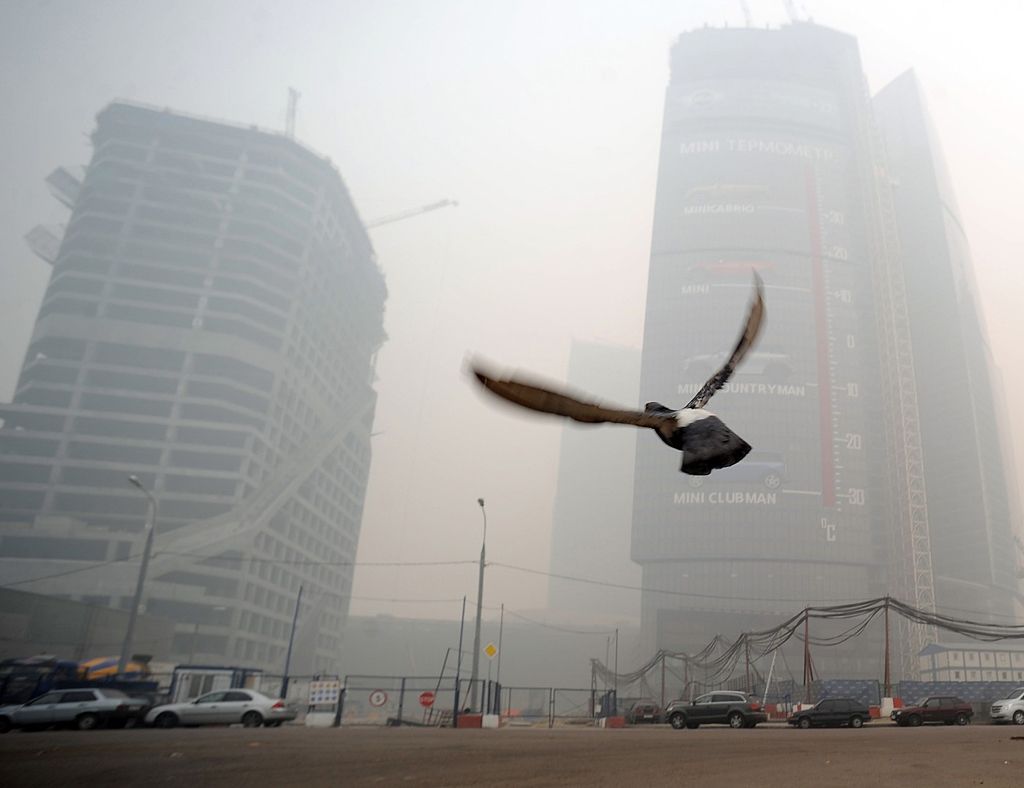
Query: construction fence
column 418, row 700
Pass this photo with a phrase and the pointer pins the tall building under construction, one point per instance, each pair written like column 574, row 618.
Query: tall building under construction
column 770, row 162
column 210, row 327
column 967, row 462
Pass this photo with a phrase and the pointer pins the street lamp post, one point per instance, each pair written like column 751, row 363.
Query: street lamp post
column 133, row 614
column 479, row 608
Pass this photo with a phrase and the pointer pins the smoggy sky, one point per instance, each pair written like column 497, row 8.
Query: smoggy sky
column 543, row 119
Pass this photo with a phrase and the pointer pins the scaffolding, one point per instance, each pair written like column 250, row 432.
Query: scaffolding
column 910, row 555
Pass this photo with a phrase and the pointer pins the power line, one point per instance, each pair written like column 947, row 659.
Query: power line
column 602, row 633
column 468, row 562
column 100, row 564
column 646, row 589
column 391, row 599
column 70, row 571
column 868, row 609
column 311, row 561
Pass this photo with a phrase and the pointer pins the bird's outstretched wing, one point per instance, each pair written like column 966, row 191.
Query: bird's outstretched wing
column 539, row 398
column 755, row 316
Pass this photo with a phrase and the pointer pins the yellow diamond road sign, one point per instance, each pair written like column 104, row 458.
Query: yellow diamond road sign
column 490, row 650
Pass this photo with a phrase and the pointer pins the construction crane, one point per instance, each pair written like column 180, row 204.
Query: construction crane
column 397, row 217
column 748, row 19
column 791, row 12
column 293, row 105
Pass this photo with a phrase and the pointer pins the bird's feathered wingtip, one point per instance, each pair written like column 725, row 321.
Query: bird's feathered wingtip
column 472, row 366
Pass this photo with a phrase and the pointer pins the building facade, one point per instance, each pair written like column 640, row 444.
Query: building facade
column 764, row 165
column 210, row 326
column 963, row 430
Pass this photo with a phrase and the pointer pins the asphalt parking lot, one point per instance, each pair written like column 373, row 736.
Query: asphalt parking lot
column 769, row 755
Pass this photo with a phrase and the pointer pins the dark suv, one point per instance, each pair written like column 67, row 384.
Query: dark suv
column 735, row 709
column 832, row 711
column 938, row 708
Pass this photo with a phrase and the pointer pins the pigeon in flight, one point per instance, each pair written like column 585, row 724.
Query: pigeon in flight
column 702, row 437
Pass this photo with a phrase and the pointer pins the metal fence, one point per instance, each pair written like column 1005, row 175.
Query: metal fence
column 418, row 700
column 403, row 700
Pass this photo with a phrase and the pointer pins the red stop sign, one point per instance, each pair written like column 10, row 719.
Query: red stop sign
column 427, row 699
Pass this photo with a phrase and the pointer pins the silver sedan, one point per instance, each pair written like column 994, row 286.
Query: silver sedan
column 224, row 707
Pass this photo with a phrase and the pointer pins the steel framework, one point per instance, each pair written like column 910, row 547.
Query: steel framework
column 910, row 554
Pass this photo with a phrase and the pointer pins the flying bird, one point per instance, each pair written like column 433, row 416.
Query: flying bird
column 703, row 438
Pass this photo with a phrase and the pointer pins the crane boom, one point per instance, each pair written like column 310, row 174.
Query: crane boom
column 397, row 217
column 748, row 19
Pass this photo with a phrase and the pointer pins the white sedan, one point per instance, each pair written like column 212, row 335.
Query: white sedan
column 224, row 707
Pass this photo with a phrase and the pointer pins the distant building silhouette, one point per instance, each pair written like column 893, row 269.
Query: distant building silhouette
column 964, row 434
column 210, row 326
column 593, row 518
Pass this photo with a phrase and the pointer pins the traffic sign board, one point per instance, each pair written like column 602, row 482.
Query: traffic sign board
column 378, row 698
column 427, row 699
column 491, row 650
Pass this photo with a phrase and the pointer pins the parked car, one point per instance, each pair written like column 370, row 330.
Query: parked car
column 644, row 711
column 832, row 711
column 149, row 700
column 938, row 708
column 1010, row 708
column 84, row 709
column 225, row 707
column 735, row 709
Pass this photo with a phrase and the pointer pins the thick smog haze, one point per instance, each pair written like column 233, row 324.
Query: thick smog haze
column 543, row 120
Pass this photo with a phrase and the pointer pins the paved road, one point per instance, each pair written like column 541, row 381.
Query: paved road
column 766, row 756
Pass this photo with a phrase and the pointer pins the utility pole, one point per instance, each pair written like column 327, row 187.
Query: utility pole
column 458, row 666
column 808, row 666
column 291, row 640
column 497, row 672
column 616, row 671
column 133, row 614
column 886, row 681
column 746, row 648
column 479, row 609
column 771, row 670
column 662, row 679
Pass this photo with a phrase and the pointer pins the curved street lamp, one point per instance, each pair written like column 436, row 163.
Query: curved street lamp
column 133, row 614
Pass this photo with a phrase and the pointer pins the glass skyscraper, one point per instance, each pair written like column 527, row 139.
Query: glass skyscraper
column 763, row 166
column 878, row 463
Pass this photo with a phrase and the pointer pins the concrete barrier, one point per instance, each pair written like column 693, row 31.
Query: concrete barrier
column 888, row 704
